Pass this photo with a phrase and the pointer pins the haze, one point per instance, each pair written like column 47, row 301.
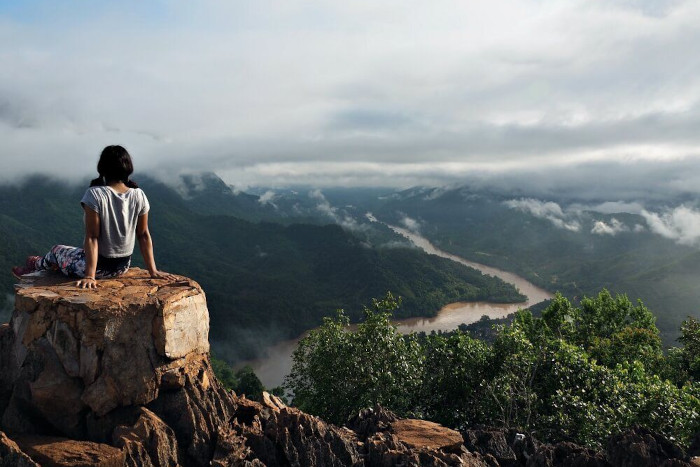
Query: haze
column 589, row 99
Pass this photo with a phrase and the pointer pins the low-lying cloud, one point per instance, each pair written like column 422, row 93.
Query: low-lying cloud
column 411, row 224
column 268, row 198
column 611, row 228
column 338, row 216
column 681, row 224
column 548, row 210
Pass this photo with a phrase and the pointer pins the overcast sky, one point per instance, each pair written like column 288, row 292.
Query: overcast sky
column 564, row 95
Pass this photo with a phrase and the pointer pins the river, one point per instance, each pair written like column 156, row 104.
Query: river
column 272, row 369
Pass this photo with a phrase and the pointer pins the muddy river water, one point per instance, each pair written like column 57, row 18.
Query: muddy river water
column 278, row 361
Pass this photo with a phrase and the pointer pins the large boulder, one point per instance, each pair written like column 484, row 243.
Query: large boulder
column 125, row 366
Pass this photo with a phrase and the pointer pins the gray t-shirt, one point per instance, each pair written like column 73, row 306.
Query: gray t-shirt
column 119, row 213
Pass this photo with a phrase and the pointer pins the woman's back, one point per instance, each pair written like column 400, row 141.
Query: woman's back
column 119, row 213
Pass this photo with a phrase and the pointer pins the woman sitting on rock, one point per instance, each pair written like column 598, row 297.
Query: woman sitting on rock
column 116, row 214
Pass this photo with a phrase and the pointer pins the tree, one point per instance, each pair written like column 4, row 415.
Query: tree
column 337, row 371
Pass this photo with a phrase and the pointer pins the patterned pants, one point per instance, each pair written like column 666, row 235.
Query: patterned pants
column 71, row 262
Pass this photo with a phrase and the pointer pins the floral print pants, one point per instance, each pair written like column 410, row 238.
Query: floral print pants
column 70, row 261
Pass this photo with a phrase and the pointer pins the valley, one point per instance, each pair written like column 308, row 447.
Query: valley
column 278, row 358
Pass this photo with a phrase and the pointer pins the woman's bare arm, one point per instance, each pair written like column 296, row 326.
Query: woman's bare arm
column 92, row 235
column 146, row 246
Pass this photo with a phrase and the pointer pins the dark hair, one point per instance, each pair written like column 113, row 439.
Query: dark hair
column 114, row 165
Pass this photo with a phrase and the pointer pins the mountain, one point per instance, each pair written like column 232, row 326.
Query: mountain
column 265, row 281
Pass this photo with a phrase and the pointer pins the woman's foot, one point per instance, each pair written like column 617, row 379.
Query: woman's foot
column 29, row 266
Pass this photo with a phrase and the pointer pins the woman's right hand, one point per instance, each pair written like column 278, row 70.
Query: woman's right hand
column 163, row 275
column 87, row 283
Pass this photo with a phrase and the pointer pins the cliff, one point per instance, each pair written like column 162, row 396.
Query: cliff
column 121, row 375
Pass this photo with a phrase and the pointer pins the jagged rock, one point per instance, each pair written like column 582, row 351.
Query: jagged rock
column 278, row 435
column 369, row 421
column 508, row 447
column 196, row 411
column 491, row 441
column 11, row 455
column 148, row 442
column 425, row 434
column 384, row 449
column 63, row 452
column 566, row 454
column 640, row 447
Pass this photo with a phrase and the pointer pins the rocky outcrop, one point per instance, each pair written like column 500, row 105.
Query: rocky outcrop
column 567, row 454
column 640, row 447
column 125, row 367
column 507, row 447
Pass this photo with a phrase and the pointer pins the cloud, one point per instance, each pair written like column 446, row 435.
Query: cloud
column 338, row 216
column 612, row 229
column 548, row 210
column 411, row 224
column 330, row 93
column 681, row 224
column 267, row 198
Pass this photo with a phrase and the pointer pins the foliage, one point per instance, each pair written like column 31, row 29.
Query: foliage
column 337, row 372
column 242, row 381
column 685, row 361
column 576, row 373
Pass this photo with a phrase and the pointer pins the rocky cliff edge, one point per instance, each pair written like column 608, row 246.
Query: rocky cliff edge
column 121, row 375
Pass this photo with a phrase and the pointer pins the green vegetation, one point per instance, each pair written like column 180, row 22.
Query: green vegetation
column 242, row 381
column 575, row 373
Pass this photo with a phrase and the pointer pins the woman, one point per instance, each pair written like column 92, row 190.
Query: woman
column 116, row 214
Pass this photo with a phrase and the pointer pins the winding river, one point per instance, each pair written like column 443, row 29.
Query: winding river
column 272, row 369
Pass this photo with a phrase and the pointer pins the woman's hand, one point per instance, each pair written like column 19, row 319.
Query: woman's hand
column 162, row 275
column 87, row 283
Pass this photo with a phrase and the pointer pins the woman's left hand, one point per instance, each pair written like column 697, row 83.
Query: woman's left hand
column 87, row 283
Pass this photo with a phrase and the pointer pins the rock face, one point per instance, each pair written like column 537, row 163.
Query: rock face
column 121, row 376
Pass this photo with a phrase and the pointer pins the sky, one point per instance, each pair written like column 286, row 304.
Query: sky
column 593, row 98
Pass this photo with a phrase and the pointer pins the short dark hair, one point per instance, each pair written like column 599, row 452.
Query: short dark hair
column 114, row 165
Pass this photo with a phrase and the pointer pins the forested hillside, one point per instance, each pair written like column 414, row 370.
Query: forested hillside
column 264, row 281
